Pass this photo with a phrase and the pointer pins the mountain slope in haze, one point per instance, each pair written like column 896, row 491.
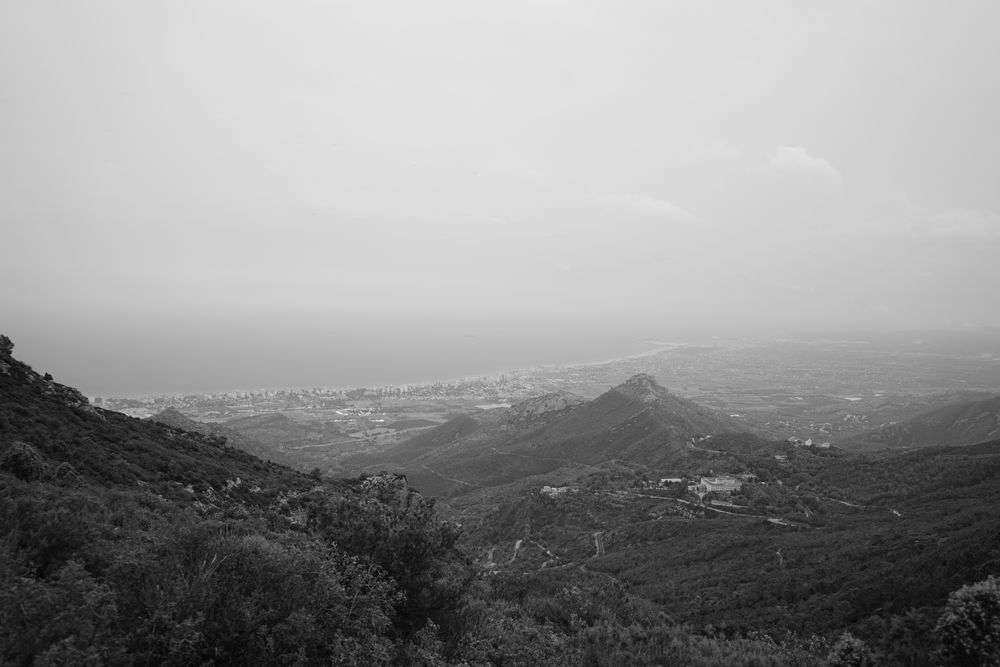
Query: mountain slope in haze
column 304, row 443
column 964, row 423
column 638, row 421
column 175, row 418
column 277, row 427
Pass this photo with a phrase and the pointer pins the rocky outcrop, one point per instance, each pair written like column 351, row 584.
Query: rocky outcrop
column 541, row 405
column 43, row 384
column 642, row 388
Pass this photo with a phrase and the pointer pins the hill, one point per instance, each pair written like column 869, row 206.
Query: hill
column 308, row 444
column 233, row 438
column 281, row 429
column 134, row 542
column 822, row 539
column 101, row 447
column 638, row 421
column 962, row 423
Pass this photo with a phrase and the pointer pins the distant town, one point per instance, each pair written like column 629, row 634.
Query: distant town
column 815, row 391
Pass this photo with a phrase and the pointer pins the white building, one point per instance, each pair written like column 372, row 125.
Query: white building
column 720, row 484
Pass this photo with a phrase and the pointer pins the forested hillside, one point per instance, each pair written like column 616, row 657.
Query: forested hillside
column 131, row 542
column 638, row 421
column 962, row 423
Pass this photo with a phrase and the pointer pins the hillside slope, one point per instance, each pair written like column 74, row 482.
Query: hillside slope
column 103, row 447
column 637, row 421
column 962, row 423
column 176, row 419
column 824, row 539
column 133, row 542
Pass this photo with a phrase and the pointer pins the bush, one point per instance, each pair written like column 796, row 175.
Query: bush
column 969, row 627
column 849, row 651
column 23, row 461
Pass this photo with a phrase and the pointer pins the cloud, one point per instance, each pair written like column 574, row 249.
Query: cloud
column 717, row 151
column 796, row 160
column 642, row 204
column 963, row 224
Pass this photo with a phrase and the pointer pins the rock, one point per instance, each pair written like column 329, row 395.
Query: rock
column 533, row 407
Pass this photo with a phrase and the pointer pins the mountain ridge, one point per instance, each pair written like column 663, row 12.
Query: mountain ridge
column 130, row 541
column 962, row 423
column 637, row 420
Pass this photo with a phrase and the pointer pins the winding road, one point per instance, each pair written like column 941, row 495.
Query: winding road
column 599, row 543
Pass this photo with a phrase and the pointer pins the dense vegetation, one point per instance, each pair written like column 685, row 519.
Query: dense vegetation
column 131, row 542
column 869, row 544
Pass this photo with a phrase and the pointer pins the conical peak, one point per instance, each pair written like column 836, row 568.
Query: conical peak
column 642, row 387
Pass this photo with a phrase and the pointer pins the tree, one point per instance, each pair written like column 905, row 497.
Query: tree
column 969, row 627
column 849, row 651
column 23, row 461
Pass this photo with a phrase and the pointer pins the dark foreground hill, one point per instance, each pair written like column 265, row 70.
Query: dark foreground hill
column 962, row 423
column 132, row 542
column 822, row 540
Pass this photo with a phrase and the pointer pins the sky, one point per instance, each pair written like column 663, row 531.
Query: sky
column 221, row 194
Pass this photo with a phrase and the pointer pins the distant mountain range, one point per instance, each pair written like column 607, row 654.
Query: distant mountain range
column 963, row 423
column 638, row 421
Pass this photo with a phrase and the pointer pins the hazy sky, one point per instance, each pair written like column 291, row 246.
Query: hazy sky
column 211, row 195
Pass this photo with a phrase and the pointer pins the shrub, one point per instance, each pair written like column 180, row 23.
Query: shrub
column 849, row 651
column 23, row 461
column 969, row 627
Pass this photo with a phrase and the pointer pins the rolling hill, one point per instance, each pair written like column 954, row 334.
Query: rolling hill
column 176, row 419
column 962, row 423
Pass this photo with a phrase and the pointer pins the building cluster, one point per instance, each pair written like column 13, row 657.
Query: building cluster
column 798, row 442
column 719, row 484
column 722, row 483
